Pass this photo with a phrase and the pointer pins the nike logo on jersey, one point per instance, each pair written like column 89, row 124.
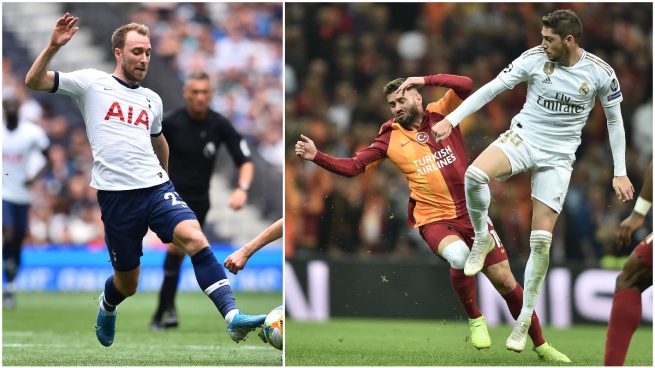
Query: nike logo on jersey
column 404, row 144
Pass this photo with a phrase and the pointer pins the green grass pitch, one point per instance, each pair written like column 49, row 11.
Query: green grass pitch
column 387, row 342
column 48, row 329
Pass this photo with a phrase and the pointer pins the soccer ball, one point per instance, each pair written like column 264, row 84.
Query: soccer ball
column 273, row 329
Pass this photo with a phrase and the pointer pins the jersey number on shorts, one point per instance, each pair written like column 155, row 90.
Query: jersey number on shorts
column 512, row 137
column 175, row 199
column 494, row 234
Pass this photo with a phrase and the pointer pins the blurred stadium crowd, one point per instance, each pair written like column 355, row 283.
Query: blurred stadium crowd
column 338, row 58
column 239, row 45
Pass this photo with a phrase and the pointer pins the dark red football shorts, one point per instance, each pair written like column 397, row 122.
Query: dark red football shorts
column 644, row 251
column 434, row 232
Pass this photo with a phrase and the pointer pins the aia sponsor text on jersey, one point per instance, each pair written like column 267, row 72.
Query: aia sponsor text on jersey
column 116, row 111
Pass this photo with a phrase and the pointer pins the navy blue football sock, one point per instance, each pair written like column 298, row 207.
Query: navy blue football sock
column 213, row 281
column 112, row 296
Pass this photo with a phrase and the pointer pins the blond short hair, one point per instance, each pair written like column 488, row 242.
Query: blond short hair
column 118, row 38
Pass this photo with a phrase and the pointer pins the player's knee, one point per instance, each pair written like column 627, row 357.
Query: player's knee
column 475, row 176
column 540, row 241
column 195, row 241
column 505, row 282
column 456, row 253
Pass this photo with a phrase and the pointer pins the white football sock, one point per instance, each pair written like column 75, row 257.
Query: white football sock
column 478, row 197
column 536, row 269
column 230, row 315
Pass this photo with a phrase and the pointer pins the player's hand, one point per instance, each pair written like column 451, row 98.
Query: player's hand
column 442, row 130
column 627, row 227
column 305, row 148
column 238, row 199
column 64, row 30
column 623, row 188
column 411, row 82
column 236, row 261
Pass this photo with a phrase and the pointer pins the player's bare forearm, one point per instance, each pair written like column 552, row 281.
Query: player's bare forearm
column 160, row 146
column 460, row 84
column 271, row 233
column 38, row 77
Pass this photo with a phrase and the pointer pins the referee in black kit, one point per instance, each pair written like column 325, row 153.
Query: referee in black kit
column 194, row 134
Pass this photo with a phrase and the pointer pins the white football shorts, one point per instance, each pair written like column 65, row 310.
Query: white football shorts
column 551, row 171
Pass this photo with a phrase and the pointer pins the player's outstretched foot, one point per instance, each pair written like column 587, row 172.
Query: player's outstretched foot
column 516, row 340
column 475, row 261
column 262, row 335
column 242, row 324
column 105, row 325
column 548, row 353
column 479, row 333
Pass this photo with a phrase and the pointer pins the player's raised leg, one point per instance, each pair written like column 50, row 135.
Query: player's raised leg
column 543, row 222
column 491, row 163
column 212, row 279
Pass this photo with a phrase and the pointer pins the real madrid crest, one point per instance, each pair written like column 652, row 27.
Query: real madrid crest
column 422, row 137
column 584, row 88
column 549, row 68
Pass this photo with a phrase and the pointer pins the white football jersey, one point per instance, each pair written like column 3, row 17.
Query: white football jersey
column 559, row 98
column 18, row 146
column 120, row 120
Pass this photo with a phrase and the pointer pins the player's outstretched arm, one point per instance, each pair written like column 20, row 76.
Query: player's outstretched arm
column 305, row 148
column 638, row 215
column 472, row 104
column 38, row 77
column 236, row 261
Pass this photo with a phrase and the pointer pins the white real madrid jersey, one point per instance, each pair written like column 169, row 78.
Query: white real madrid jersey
column 18, row 147
column 120, row 120
column 559, row 98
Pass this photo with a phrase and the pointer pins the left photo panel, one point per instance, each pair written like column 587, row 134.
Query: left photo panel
column 142, row 184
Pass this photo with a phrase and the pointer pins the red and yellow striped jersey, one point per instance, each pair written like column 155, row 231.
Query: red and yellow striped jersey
column 434, row 172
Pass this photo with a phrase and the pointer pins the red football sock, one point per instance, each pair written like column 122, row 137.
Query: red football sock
column 514, row 301
column 624, row 319
column 466, row 291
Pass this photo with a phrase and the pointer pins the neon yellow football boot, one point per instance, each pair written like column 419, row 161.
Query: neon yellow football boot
column 548, row 353
column 479, row 333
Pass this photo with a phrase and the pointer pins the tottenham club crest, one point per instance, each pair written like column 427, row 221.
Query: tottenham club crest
column 422, row 137
column 584, row 88
column 549, row 68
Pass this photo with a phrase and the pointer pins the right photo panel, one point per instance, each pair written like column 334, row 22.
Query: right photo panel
column 468, row 184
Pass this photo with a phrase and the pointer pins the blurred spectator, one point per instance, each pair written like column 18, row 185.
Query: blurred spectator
column 340, row 55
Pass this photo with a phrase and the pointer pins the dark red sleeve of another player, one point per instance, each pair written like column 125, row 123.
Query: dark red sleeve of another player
column 356, row 165
column 461, row 85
